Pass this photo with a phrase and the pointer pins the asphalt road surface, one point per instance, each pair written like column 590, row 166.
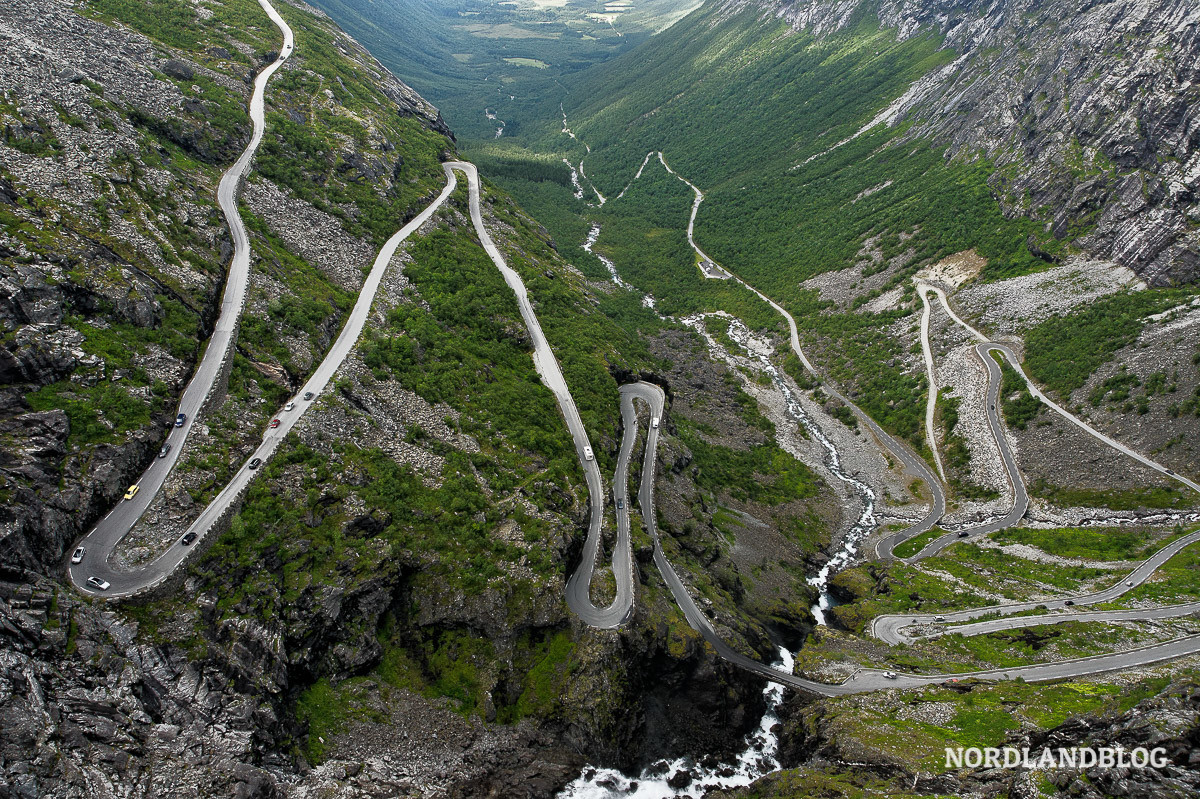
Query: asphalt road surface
column 913, row 465
column 1015, row 362
column 100, row 542
column 1020, row 495
column 121, row 519
column 890, row 628
column 886, row 626
column 579, row 583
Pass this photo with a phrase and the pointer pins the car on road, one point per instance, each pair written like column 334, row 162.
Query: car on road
column 1129, row 582
column 308, row 395
column 654, row 423
column 180, row 419
column 1170, row 472
column 162, row 453
column 620, row 504
column 939, row 618
column 132, row 492
column 963, row 533
column 188, row 538
column 274, row 423
column 1069, row 602
column 588, row 454
column 891, row 675
column 96, row 582
column 289, row 406
column 77, row 555
column 255, row 463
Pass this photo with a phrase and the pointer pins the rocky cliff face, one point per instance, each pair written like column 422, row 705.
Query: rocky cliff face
column 1088, row 111
column 112, row 249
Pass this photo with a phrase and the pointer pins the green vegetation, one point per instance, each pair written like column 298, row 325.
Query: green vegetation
column 915, row 544
column 469, row 350
column 179, row 26
column 1164, row 496
column 309, row 156
column 97, row 414
column 1178, row 580
column 1017, row 403
column 1109, row 543
column 983, row 717
column 1063, row 351
column 762, row 473
column 975, row 572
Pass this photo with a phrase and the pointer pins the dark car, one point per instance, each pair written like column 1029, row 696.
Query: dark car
column 1069, row 602
column 963, row 533
column 274, row 423
column 255, row 463
column 187, row 539
column 620, row 504
column 162, row 453
column 180, row 419
column 308, row 395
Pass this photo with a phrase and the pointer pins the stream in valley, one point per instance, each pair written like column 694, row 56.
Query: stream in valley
column 684, row 776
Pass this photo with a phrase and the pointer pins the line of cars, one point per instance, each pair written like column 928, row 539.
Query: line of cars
column 190, row 536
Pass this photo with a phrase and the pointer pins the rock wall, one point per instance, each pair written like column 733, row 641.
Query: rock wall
column 1088, row 110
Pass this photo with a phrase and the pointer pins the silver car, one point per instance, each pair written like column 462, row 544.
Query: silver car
column 96, row 582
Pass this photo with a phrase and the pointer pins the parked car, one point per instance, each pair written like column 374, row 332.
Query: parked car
column 308, row 395
column 274, row 423
column 180, row 419
column 77, row 555
column 132, row 492
column 96, row 582
column 188, row 538
column 162, row 453
column 255, row 463
column 289, row 406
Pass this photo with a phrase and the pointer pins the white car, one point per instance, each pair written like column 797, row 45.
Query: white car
column 77, row 555
column 96, row 582
column 891, row 675
column 654, row 423
column 587, row 454
column 289, row 406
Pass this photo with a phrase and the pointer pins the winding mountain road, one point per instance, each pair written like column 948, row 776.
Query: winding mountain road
column 891, row 628
column 1015, row 362
column 913, row 464
column 104, row 537
column 887, row 628
column 1020, row 495
column 579, row 584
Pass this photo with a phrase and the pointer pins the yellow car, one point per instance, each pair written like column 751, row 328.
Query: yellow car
column 132, row 492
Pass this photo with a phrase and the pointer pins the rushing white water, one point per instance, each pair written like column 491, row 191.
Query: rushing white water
column 592, row 237
column 575, row 180
column 867, row 521
column 760, row 756
column 487, row 112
